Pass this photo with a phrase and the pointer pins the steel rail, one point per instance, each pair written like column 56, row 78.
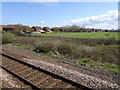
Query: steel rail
column 44, row 71
column 21, row 78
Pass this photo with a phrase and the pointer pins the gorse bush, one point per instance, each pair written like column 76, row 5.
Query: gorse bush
column 44, row 48
column 7, row 37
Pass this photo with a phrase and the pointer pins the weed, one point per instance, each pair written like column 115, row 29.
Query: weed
column 29, row 47
column 65, row 48
column 86, row 61
column 44, row 48
column 7, row 37
column 71, row 48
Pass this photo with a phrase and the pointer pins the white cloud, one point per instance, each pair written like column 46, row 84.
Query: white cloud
column 42, row 22
column 105, row 21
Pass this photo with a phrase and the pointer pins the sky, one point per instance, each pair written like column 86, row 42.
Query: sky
column 102, row 15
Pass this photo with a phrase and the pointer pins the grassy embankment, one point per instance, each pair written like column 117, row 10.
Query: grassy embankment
column 98, row 53
column 94, row 53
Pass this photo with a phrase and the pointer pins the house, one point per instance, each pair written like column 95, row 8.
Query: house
column 16, row 27
column 46, row 29
column 38, row 29
column 61, row 29
column 8, row 28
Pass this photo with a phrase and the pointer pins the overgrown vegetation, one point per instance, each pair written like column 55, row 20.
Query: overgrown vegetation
column 97, row 49
column 90, row 52
column 7, row 37
column 110, row 67
column 17, row 33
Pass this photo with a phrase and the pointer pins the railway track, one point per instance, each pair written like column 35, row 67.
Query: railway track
column 36, row 77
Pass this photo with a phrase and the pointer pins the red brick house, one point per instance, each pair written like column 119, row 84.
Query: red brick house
column 61, row 28
column 38, row 29
column 15, row 27
column 46, row 29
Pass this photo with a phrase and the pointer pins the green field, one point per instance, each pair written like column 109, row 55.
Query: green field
column 106, row 35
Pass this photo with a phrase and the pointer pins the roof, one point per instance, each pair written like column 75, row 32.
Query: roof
column 8, row 27
column 40, row 31
column 46, row 27
column 36, row 27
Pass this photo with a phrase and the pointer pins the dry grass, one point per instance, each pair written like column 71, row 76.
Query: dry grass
column 97, row 49
column 93, row 52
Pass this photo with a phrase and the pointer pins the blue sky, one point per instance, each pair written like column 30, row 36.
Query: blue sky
column 59, row 13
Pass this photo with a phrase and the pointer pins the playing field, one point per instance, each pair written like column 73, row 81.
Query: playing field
column 107, row 35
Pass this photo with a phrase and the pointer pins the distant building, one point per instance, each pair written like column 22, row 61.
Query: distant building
column 8, row 29
column 38, row 29
column 46, row 29
column 15, row 27
column 61, row 29
column 91, row 30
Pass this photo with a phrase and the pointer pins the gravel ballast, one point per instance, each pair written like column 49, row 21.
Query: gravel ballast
column 86, row 78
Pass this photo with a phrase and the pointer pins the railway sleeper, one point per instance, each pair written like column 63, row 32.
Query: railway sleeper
column 20, row 69
column 49, row 83
column 29, row 73
column 42, row 81
column 8, row 64
column 21, row 78
column 24, row 71
column 30, row 76
column 36, row 77
column 62, row 84
column 11, row 67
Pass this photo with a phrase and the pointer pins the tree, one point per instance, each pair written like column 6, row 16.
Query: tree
column 56, row 29
column 73, row 28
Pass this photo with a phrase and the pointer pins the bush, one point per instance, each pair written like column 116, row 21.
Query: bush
column 7, row 37
column 18, row 33
column 44, row 48
column 65, row 48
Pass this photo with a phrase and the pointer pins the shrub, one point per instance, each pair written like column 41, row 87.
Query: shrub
column 65, row 48
column 7, row 37
column 18, row 33
column 44, row 48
